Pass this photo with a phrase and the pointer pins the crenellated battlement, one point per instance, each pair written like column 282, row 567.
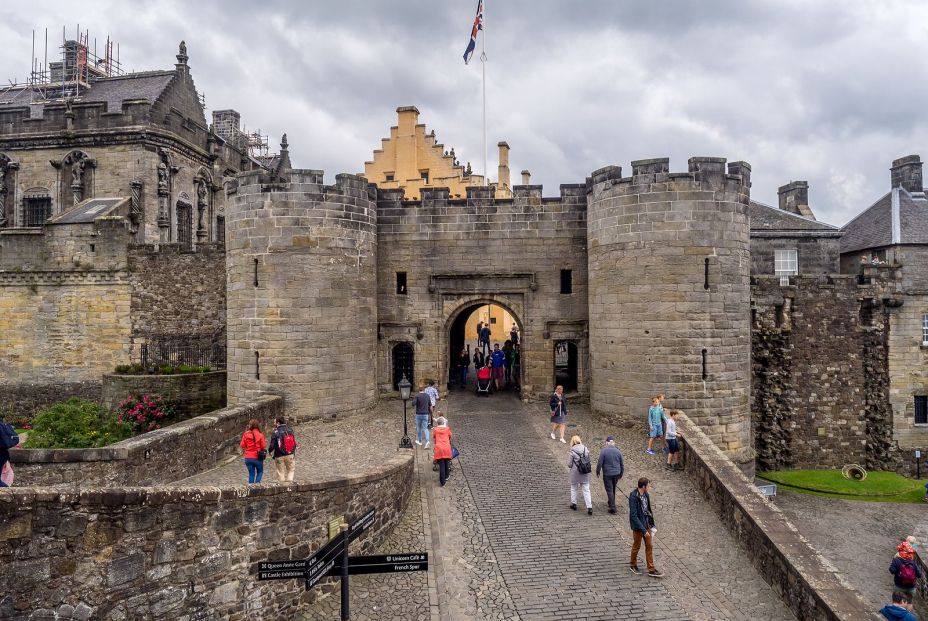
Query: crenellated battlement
column 653, row 175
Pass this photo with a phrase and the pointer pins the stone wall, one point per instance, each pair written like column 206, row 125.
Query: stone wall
column 23, row 401
column 173, row 553
column 191, row 394
column 301, row 292
column 460, row 253
column 157, row 457
column 818, row 254
column 669, row 294
column 805, row 581
column 820, row 378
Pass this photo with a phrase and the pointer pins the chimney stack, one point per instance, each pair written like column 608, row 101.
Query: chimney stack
column 794, row 198
column 906, row 173
column 526, row 178
column 503, row 186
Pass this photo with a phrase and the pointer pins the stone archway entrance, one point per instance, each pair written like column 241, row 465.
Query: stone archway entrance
column 461, row 335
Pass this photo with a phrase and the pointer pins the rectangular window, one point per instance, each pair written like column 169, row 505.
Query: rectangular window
column 401, row 283
column 36, row 210
column 567, row 281
column 921, row 410
column 185, row 225
column 925, row 329
column 425, row 175
column 786, row 262
column 220, row 229
column 390, row 177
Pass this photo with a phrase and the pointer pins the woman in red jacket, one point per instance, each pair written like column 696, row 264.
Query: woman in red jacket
column 441, row 435
column 255, row 451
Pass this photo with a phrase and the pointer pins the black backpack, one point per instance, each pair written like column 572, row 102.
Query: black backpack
column 584, row 465
column 8, row 436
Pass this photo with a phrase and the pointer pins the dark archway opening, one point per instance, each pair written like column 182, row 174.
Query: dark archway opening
column 403, row 364
column 565, row 365
column 462, row 335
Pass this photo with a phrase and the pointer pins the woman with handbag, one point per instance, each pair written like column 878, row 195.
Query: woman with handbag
column 441, row 433
column 255, row 451
column 580, row 466
column 558, row 405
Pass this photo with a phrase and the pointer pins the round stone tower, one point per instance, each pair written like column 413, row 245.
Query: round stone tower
column 669, row 295
column 301, row 265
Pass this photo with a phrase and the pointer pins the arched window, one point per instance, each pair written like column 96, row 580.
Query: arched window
column 403, row 364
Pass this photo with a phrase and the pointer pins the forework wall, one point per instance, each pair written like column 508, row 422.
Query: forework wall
column 172, row 553
column 481, row 250
column 820, row 376
column 191, row 394
column 154, row 458
column 805, row 581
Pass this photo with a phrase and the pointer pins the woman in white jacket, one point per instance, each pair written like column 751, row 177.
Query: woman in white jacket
column 578, row 455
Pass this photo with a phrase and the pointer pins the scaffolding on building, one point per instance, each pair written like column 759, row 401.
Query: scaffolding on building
column 78, row 67
column 227, row 124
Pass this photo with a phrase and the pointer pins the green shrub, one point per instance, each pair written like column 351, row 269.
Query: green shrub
column 130, row 369
column 76, row 423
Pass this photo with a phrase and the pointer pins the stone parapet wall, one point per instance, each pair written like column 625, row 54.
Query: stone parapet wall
column 797, row 572
column 173, row 553
column 154, row 458
column 25, row 400
column 669, row 292
column 191, row 394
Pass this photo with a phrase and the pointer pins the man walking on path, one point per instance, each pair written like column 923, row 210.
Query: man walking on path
column 485, row 338
column 900, row 609
column 432, row 393
column 499, row 366
column 612, row 467
column 283, row 448
column 423, row 405
column 641, row 518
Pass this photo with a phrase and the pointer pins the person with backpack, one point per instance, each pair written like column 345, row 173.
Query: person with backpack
column 641, row 519
column 900, row 609
column 442, row 453
column 580, row 467
column 255, row 447
column 283, row 449
column 8, row 439
column 905, row 569
column 423, row 405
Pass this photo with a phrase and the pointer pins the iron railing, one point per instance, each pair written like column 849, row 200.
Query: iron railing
column 175, row 350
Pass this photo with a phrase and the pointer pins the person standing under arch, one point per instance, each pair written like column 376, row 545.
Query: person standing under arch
column 558, row 404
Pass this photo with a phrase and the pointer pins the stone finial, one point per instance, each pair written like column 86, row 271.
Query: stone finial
column 182, row 53
column 283, row 143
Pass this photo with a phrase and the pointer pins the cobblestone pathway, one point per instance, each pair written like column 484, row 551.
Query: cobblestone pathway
column 858, row 538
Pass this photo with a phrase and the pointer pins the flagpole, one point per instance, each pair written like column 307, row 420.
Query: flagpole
column 483, row 60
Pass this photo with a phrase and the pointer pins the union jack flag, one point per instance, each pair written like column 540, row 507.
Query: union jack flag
column 478, row 25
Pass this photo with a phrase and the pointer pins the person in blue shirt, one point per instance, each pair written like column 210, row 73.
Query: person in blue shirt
column 498, row 361
column 655, row 423
column 900, row 609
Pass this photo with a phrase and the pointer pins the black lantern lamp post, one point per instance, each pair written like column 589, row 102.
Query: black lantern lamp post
column 404, row 387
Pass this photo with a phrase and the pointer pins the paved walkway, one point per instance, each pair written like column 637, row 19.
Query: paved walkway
column 858, row 538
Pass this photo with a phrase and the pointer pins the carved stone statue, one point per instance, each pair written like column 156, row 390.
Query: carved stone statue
column 77, row 174
column 162, row 176
column 202, row 190
column 182, row 50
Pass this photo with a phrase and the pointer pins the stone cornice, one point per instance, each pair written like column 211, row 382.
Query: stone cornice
column 63, row 277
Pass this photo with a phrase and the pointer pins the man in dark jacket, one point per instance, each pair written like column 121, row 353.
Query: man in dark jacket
column 283, row 458
column 613, row 467
column 641, row 518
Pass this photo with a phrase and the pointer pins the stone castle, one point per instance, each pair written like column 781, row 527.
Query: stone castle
column 130, row 224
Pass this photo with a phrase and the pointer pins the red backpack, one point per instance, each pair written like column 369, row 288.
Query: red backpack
column 286, row 443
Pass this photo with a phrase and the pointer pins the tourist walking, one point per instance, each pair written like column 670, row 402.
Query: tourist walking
column 905, row 569
column 255, row 447
column 558, row 404
column 442, row 453
column 579, row 465
column 479, row 360
column 641, row 519
column 432, row 393
column 463, row 365
column 507, row 360
column 670, row 438
column 479, row 333
column 498, row 359
column 283, row 450
column 900, row 609
column 612, row 467
column 655, row 423
column 423, row 405
column 514, row 334
column 517, row 366
column 485, row 338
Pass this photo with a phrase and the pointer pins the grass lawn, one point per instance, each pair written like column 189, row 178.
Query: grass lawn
column 878, row 486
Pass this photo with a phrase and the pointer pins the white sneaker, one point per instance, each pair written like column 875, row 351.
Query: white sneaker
column 418, row 443
column 563, row 440
column 427, row 444
column 553, row 437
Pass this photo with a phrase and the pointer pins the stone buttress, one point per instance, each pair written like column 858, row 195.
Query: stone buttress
column 302, row 292
column 669, row 298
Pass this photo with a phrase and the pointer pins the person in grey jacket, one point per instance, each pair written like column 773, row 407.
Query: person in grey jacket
column 612, row 466
column 577, row 478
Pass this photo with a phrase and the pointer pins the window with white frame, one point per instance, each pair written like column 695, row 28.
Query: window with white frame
column 925, row 329
column 786, row 262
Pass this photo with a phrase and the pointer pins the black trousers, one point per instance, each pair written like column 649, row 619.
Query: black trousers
column 610, row 482
column 443, row 465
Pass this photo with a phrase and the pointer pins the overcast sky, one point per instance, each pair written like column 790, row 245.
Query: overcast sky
column 828, row 91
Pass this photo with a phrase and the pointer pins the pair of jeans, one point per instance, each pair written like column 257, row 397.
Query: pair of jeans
column 255, row 469
column 443, row 467
column 285, row 468
column 610, row 482
column 422, row 427
column 587, row 498
column 463, row 375
column 648, row 549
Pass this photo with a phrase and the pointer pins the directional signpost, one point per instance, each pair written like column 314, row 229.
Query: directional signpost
column 332, row 560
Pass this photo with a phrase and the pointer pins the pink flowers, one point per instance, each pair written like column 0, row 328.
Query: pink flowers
column 144, row 412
